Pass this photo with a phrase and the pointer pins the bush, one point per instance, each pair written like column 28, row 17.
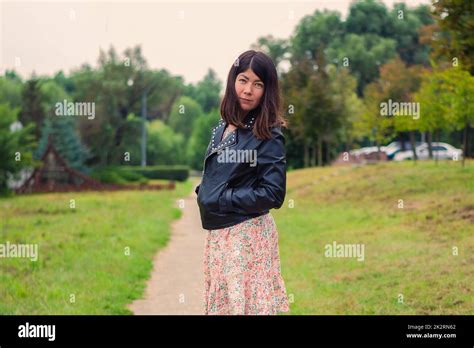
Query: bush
column 125, row 174
column 108, row 176
column 177, row 172
column 117, row 175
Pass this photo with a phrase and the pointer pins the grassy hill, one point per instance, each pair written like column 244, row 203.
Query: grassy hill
column 411, row 219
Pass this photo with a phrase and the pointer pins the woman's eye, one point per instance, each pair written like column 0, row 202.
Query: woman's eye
column 259, row 85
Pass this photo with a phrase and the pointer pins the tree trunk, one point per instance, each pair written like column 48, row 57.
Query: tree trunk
column 377, row 143
column 437, row 140
column 464, row 145
column 413, row 146
column 327, row 153
column 306, row 154
column 313, row 155
column 402, row 142
column 430, row 147
column 320, row 151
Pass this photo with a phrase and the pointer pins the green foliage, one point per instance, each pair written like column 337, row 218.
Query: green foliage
column 199, row 139
column 66, row 140
column 183, row 115
column 118, row 88
column 206, row 92
column 10, row 91
column 276, row 49
column 368, row 17
column 363, row 54
column 117, row 175
column 32, row 110
column 16, row 144
column 447, row 99
column 177, row 172
column 314, row 33
column 164, row 146
column 454, row 38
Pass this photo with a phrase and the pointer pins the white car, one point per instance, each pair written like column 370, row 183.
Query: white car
column 440, row 150
column 366, row 150
column 396, row 146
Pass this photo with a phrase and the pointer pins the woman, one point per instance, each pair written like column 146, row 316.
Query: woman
column 244, row 177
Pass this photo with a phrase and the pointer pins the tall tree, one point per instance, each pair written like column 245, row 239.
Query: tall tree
column 16, row 145
column 454, row 40
column 32, row 106
column 206, row 92
column 183, row 115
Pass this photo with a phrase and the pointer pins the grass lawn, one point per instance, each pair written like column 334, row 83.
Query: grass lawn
column 93, row 259
column 410, row 219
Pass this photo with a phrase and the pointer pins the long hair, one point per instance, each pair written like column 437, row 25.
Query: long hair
column 268, row 113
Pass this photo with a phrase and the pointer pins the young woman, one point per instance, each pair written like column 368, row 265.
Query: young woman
column 244, row 177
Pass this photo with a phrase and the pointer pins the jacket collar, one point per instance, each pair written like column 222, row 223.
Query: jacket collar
column 231, row 139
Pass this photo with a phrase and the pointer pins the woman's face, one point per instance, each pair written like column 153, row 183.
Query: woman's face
column 249, row 89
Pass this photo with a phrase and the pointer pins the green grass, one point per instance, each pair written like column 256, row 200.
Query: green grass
column 83, row 250
column 408, row 251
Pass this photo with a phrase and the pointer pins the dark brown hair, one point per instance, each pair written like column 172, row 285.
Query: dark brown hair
column 268, row 112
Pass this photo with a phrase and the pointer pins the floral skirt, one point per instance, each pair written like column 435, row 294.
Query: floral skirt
column 242, row 269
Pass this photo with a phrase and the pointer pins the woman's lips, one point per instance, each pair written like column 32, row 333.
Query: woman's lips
column 245, row 101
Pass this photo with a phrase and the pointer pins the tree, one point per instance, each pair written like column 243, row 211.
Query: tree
column 314, row 119
column 347, row 106
column 10, row 91
column 117, row 88
column 396, row 84
column 431, row 97
column 406, row 24
column 314, row 33
column 66, row 140
column 164, row 145
column 460, row 96
column 368, row 17
column 276, row 49
column 454, row 39
column 185, row 111
column 200, row 138
column 363, row 55
column 206, row 92
column 32, row 106
column 15, row 146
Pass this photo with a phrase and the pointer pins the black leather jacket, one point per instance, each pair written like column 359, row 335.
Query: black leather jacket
column 234, row 189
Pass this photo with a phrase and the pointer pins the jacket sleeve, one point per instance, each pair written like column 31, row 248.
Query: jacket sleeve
column 271, row 180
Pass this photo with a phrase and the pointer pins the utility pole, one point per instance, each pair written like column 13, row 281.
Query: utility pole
column 143, row 159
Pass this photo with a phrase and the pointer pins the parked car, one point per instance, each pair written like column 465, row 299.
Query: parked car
column 440, row 150
column 396, row 146
column 391, row 149
column 364, row 150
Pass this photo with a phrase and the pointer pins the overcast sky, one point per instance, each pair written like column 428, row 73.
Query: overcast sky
column 184, row 37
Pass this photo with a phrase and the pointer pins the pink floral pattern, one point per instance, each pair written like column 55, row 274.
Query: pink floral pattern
column 242, row 270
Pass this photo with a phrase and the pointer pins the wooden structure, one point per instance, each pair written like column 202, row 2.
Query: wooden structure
column 56, row 176
column 346, row 158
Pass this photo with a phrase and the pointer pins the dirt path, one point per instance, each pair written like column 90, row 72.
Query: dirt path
column 177, row 281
